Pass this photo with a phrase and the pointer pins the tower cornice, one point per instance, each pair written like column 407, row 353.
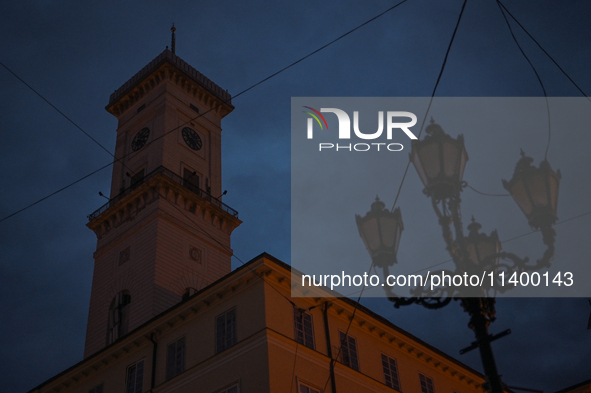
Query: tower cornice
column 162, row 184
column 168, row 66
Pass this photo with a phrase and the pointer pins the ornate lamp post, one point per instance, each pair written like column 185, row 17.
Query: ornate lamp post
column 440, row 161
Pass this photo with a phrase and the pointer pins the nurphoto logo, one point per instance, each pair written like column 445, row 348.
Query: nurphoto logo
column 393, row 122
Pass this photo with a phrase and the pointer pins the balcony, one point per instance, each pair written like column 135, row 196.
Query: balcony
column 177, row 179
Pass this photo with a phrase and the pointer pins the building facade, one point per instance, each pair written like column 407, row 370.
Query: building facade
column 166, row 312
column 244, row 333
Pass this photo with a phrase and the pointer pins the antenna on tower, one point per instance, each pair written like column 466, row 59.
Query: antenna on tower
column 173, row 29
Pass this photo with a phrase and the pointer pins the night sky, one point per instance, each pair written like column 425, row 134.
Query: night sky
column 75, row 54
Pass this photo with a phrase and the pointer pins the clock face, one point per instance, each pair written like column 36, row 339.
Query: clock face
column 192, row 139
column 140, row 139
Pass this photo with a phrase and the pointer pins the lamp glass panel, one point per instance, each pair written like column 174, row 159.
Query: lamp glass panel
column 471, row 248
column 418, row 166
column 451, row 157
column 520, row 196
column 538, row 190
column 371, row 234
column 430, row 160
column 488, row 248
column 397, row 241
column 463, row 160
column 388, row 227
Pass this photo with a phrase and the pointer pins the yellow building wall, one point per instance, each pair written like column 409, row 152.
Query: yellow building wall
column 373, row 337
column 266, row 357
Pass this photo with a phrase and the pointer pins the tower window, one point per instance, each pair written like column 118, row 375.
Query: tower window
column 134, row 379
column 225, row 330
column 426, row 384
column 349, row 351
column 141, row 108
column 175, row 358
column 118, row 316
column 137, row 179
column 191, row 180
column 390, row 372
column 194, row 108
column 304, row 330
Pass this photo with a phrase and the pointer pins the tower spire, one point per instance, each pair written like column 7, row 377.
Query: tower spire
column 173, row 29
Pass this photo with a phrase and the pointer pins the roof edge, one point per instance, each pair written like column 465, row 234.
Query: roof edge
column 180, row 64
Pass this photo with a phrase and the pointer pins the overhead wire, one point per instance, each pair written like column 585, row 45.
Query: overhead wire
column 333, row 360
column 55, row 192
column 535, row 72
column 487, row 194
column 56, row 108
column 545, row 52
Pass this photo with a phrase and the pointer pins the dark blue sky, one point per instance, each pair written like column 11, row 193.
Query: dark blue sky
column 77, row 53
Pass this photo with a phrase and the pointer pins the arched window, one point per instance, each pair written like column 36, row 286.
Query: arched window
column 118, row 316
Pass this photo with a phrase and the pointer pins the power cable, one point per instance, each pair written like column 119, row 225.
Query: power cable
column 537, row 76
column 55, row 192
column 544, row 50
column 487, row 194
column 54, row 107
column 333, row 361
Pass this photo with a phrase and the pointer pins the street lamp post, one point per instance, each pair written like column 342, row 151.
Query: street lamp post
column 440, row 161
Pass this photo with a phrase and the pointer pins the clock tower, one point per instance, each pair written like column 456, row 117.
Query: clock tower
column 165, row 232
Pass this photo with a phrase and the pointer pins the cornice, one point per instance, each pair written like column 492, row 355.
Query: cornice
column 169, row 67
column 161, row 187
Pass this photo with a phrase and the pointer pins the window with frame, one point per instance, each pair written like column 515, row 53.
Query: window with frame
column 390, row 372
column 191, row 180
column 304, row 329
column 118, row 322
column 303, row 388
column 225, row 330
column 97, row 389
column 349, row 351
column 426, row 384
column 175, row 358
column 134, row 379
column 137, row 178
